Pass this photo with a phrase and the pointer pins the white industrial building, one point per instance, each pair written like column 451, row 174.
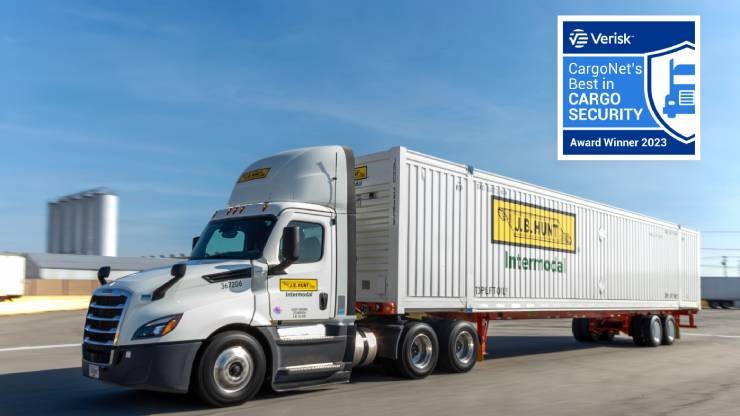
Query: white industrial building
column 65, row 274
column 84, row 223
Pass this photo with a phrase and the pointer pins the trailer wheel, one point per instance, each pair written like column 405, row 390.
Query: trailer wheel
column 581, row 330
column 652, row 330
column 418, row 352
column 636, row 330
column 607, row 336
column 231, row 369
column 669, row 329
column 458, row 346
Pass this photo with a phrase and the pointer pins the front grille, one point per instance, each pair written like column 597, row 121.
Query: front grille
column 101, row 325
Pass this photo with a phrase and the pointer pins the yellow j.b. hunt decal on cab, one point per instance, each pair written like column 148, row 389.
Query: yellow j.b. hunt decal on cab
column 299, row 285
column 526, row 225
column 253, row 174
column 361, row 172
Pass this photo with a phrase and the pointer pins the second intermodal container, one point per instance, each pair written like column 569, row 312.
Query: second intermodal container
column 437, row 235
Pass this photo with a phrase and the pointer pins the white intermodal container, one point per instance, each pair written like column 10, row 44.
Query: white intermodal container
column 438, row 235
column 12, row 275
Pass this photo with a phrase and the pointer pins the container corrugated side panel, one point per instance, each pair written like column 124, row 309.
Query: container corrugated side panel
column 432, row 227
column 623, row 260
column 376, row 240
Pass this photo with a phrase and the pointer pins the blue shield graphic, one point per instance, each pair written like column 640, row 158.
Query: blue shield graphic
column 671, row 86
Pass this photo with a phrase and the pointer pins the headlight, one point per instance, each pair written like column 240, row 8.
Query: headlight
column 158, row 327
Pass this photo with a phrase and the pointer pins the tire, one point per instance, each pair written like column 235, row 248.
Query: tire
column 652, row 330
column 670, row 329
column 714, row 304
column 231, row 369
column 418, row 351
column 636, row 330
column 458, row 346
column 607, row 336
column 581, row 331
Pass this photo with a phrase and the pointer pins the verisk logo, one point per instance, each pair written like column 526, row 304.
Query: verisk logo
column 578, row 38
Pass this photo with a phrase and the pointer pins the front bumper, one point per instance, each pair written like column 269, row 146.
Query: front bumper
column 159, row 367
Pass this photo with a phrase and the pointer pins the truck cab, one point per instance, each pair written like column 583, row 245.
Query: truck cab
column 266, row 293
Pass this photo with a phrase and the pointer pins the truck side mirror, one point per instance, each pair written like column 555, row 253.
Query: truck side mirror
column 195, row 241
column 103, row 273
column 291, row 249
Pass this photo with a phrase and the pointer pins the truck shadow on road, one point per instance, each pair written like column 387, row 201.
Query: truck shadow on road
column 65, row 391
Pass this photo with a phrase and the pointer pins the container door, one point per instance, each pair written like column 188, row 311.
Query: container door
column 305, row 291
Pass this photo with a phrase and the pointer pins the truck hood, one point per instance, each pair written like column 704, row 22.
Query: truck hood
column 148, row 280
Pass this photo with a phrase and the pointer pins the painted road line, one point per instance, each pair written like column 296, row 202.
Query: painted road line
column 38, row 347
column 711, row 335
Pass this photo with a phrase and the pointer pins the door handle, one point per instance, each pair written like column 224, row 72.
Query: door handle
column 323, row 300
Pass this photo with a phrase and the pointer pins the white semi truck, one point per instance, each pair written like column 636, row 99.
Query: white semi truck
column 321, row 263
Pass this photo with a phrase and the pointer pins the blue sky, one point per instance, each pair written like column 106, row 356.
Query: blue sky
column 166, row 103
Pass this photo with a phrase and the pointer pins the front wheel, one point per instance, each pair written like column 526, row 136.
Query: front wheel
column 231, row 369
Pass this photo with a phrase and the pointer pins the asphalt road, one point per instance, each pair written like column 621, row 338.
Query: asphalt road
column 534, row 368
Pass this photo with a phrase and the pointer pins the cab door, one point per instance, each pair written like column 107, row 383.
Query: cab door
column 305, row 290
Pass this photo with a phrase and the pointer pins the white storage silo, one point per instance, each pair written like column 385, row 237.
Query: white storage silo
column 52, row 227
column 106, row 225
column 84, row 223
column 66, row 228
column 88, row 223
column 77, row 223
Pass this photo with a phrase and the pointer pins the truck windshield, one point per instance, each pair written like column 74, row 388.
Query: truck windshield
column 234, row 238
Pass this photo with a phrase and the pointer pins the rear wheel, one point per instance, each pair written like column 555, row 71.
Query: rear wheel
column 669, row 329
column 607, row 336
column 458, row 346
column 231, row 369
column 418, row 352
column 652, row 330
column 581, row 330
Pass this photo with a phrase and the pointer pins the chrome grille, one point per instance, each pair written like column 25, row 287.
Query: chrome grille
column 101, row 326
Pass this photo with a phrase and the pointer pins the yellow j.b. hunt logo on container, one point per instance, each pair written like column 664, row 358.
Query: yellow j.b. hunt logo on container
column 361, row 172
column 299, row 285
column 253, row 174
column 527, row 225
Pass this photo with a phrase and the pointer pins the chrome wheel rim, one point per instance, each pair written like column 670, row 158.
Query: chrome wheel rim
column 464, row 347
column 421, row 351
column 670, row 329
column 233, row 369
column 656, row 330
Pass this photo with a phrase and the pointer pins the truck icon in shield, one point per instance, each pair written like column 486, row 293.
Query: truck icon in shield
column 680, row 98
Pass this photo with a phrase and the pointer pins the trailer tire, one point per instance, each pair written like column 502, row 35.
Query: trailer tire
column 231, row 369
column 607, row 336
column 458, row 346
column 652, row 330
column 636, row 330
column 581, row 330
column 669, row 329
column 418, row 351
